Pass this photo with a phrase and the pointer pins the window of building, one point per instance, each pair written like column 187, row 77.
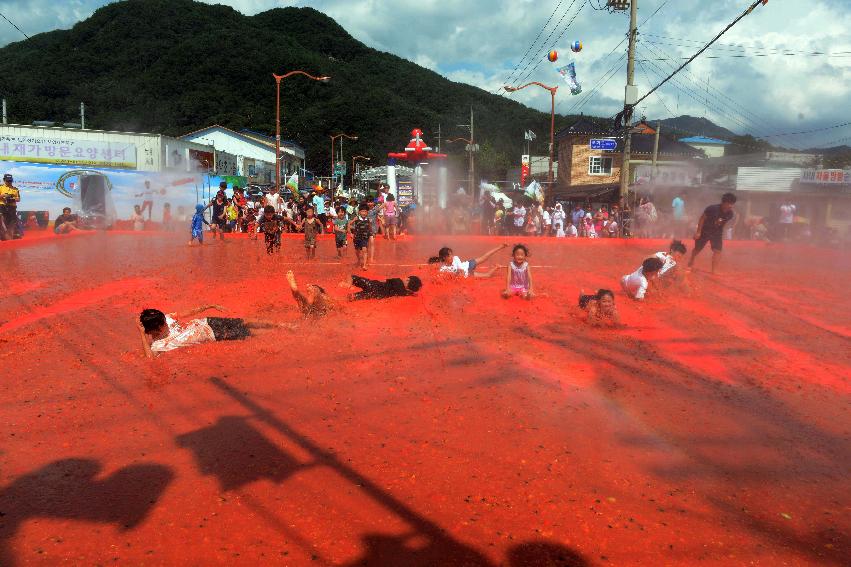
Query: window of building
column 598, row 165
column 252, row 170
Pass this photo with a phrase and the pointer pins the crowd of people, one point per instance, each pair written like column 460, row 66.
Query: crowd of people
column 161, row 332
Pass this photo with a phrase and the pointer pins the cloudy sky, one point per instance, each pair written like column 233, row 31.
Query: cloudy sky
column 761, row 79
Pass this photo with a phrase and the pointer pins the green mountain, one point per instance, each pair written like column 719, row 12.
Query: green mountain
column 173, row 66
column 686, row 126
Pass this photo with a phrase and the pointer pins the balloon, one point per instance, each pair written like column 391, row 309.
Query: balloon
column 576, row 46
column 552, row 56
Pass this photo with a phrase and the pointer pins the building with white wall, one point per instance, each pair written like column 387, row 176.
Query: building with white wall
column 255, row 153
column 712, row 147
column 101, row 148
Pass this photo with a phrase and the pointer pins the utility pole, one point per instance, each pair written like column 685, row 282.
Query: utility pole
column 438, row 138
column 4, row 112
column 655, row 151
column 630, row 95
column 472, row 152
column 82, row 116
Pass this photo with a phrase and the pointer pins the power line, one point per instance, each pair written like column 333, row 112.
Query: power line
column 531, row 45
column 808, row 131
column 704, row 48
column 704, row 102
column 547, row 41
column 731, row 107
column 581, row 103
column 14, row 26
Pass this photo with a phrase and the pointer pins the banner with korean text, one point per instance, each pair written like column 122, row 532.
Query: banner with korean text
column 59, row 151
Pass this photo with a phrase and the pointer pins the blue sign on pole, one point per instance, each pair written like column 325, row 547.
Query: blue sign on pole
column 603, row 144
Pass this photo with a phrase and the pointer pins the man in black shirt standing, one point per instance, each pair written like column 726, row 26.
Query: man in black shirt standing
column 710, row 229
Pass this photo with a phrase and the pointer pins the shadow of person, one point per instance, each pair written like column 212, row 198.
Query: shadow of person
column 68, row 489
column 544, row 554
column 237, row 454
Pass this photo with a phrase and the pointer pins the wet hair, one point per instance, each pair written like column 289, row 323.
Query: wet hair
column 66, row 209
column 442, row 255
column 268, row 209
column 651, row 265
column 678, row 246
column 363, row 207
column 601, row 293
column 520, row 247
column 152, row 320
column 728, row 198
column 414, row 283
column 309, row 209
column 320, row 288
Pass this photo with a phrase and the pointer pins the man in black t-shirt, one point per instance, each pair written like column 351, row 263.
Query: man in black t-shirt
column 710, row 229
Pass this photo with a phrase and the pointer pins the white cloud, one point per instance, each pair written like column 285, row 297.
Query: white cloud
column 480, row 42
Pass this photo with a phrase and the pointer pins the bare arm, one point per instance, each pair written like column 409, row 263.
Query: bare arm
column 484, row 257
column 508, row 280
column 699, row 230
column 146, row 342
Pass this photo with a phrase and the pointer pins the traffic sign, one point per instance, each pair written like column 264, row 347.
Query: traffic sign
column 340, row 168
column 603, row 144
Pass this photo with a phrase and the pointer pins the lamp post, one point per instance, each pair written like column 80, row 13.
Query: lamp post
column 332, row 150
column 553, row 91
column 278, row 79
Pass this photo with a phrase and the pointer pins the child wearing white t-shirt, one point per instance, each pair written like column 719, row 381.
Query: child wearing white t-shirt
column 162, row 333
column 452, row 265
column 635, row 284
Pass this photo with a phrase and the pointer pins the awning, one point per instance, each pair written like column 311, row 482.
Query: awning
column 607, row 193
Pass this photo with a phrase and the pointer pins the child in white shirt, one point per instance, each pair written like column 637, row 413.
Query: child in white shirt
column 451, row 264
column 635, row 284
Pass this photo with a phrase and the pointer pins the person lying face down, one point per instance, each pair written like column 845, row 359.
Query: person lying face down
column 375, row 289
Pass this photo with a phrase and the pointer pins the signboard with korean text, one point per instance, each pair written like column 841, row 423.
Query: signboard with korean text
column 59, row 151
column 826, row 176
column 605, row 144
column 406, row 193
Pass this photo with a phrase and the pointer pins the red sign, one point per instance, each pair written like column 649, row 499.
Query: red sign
column 525, row 169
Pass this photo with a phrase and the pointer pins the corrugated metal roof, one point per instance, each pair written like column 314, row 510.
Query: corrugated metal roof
column 767, row 179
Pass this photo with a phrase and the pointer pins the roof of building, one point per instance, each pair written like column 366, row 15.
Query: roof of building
column 704, row 140
column 583, row 126
column 247, row 135
column 643, row 144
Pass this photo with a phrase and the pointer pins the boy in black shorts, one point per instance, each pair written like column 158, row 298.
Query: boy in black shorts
column 361, row 229
column 270, row 226
column 710, row 229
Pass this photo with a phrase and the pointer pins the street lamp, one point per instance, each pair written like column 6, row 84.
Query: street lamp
column 341, row 149
column 278, row 79
column 553, row 91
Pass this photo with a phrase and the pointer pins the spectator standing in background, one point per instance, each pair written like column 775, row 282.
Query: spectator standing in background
column 678, row 210
column 787, row 218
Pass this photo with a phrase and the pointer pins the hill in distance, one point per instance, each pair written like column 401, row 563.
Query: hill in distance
column 174, row 66
column 686, row 126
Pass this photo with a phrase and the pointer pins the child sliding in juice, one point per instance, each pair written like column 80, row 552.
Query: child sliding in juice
column 162, row 332
column 451, row 264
